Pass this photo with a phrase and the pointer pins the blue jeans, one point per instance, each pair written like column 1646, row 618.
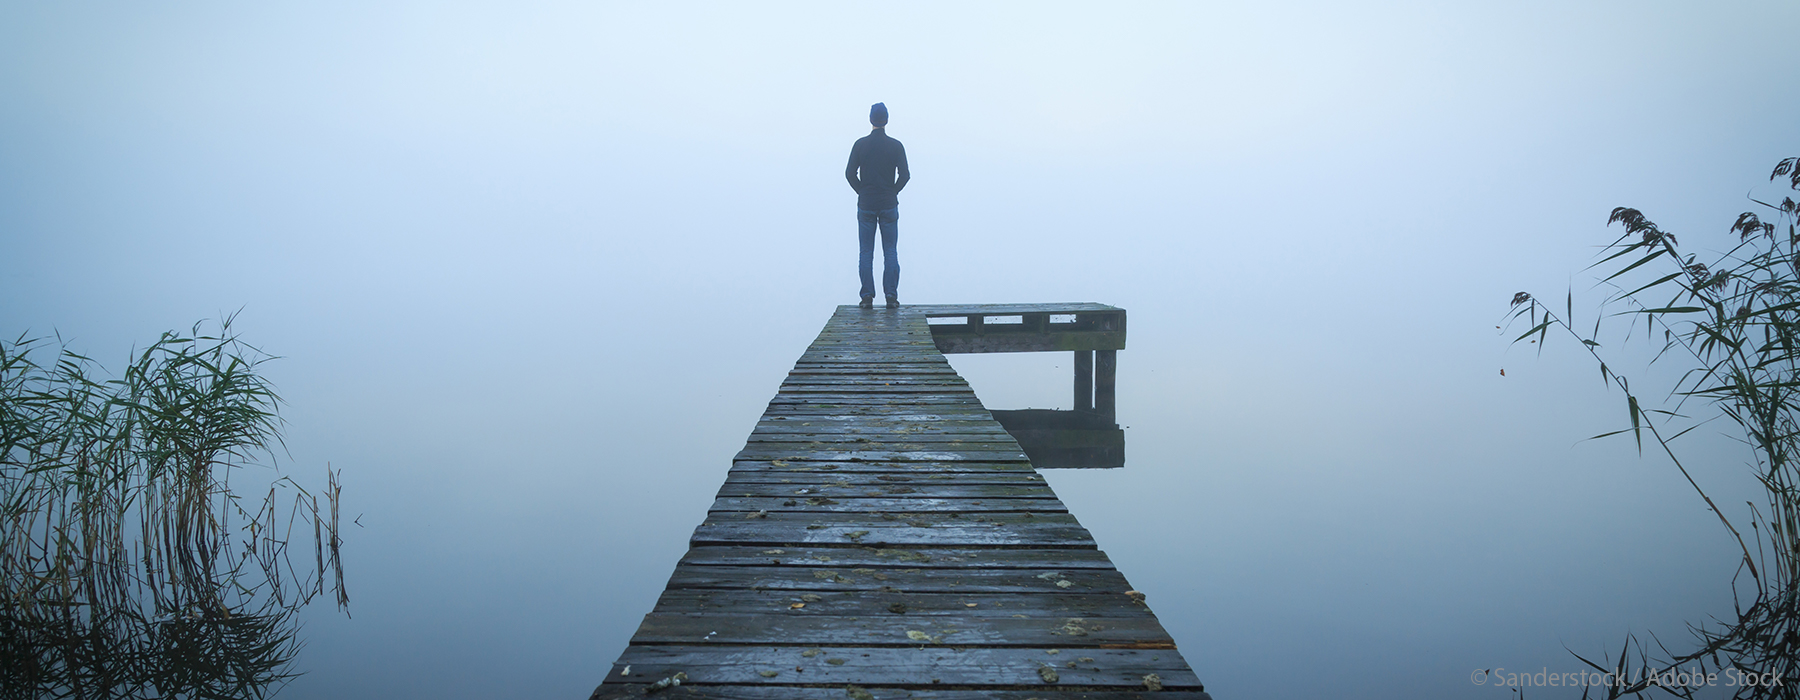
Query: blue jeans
column 865, row 261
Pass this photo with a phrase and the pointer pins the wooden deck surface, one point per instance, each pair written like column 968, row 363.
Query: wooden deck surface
column 934, row 310
column 881, row 536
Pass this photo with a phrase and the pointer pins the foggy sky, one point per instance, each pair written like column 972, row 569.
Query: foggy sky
column 534, row 269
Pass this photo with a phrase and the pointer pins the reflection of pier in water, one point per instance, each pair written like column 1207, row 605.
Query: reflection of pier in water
column 882, row 536
column 1085, row 437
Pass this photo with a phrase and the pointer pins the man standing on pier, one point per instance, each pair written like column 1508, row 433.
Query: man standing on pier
column 877, row 171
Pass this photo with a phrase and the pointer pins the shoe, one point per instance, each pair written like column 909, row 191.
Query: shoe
column 893, row 302
column 867, row 303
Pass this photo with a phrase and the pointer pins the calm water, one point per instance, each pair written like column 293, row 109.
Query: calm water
column 534, row 273
column 1293, row 540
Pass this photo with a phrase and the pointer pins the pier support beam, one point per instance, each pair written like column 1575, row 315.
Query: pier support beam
column 1084, row 380
column 1106, row 367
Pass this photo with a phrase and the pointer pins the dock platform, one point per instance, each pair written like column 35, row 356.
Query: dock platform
column 881, row 536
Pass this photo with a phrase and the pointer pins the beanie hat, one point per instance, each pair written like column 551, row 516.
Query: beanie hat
column 878, row 114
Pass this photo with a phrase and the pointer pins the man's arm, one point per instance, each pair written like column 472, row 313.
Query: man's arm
column 850, row 170
column 905, row 174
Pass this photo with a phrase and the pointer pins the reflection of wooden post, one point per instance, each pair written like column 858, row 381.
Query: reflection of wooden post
column 1106, row 366
column 1084, row 380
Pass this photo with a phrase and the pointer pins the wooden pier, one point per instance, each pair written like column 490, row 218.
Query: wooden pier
column 881, row 536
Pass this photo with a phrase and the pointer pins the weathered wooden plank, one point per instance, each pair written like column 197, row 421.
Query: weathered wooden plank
column 805, row 411
column 792, row 403
column 918, row 369
column 890, row 443
column 863, row 353
column 774, row 487
column 852, row 432
column 921, row 370
column 886, row 329
column 859, row 340
column 919, row 403
column 856, row 557
column 919, row 453
column 885, row 440
column 873, row 359
column 820, row 460
column 891, row 630
column 867, row 359
column 868, row 405
column 926, row 475
column 799, row 461
column 922, row 665
column 875, row 417
column 862, row 342
column 1094, row 328
column 821, row 504
column 808, row 375
column 816, row 406
column 913, row 352
column 970, row 535
column 923, row 482
column 868, row 384
column 899, row 456
column 949, row 310
column 975, row 472
column 960, row 391
column 917, row 346
column 973, row 424
column 909, row 579
column 906, row 603
column 880, row 443
column 811, row 374
column 895, row 390
column 904, row 518
column 929, row 401
column 865, row 342
column 827, row 409
column 924, row 364
column 793, row 692
column 843, row 322
column 875, row 385
column 920, row 462
column 912, row 530
column 969, row 423
column 852, row 336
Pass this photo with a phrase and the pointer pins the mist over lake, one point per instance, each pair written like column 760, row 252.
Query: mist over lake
column 533, row 272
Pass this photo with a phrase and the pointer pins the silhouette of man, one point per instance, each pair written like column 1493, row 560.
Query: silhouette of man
column 877, row 171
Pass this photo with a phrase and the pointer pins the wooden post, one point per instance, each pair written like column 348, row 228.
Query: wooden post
column 1106, row 366
column 1084, row 380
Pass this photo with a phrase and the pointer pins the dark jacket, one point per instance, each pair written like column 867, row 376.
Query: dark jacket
column 882, row 165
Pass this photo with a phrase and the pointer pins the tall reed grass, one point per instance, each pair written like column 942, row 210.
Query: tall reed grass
column 129, row 567
column 1733, row 325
